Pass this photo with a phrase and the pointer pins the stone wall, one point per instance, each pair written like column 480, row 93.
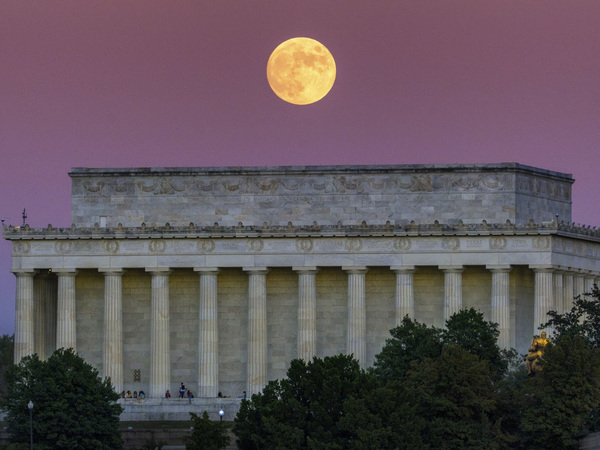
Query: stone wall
column 326, row 195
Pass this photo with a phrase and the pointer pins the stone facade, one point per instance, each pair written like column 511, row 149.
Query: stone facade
column 326, row 195
column 219, row 277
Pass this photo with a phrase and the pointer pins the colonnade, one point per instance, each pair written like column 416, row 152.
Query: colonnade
column 40, row 298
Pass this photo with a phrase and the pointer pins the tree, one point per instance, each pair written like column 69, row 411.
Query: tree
column 562, row 397
column 454, row 395
column 383, row 418
column 414, row 341
column 468, row 329
column 207, row 434
column 6, row 358
column 303, row 410
column 582, row 320
column 73, row 406
column 410, row 341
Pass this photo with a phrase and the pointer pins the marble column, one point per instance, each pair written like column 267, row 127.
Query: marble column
column 558, row 288
column 113, row 327
column 452, row 290
column 500, row 311
column 24, row 311
column 66, row 318
column 257, row 329
column 543, row 296
column 588, row 282
column 160, row 361
column 568, row 290
column 356, row 334
column 208, row 333
column 51, row 299
column 39, row 307
column 307, row 312
column 578, row 283
column 405, row 294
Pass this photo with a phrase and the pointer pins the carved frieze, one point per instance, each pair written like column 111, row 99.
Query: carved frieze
column 157, row 246
column 402, row 244
column 541, row 242
column 206, row 245
column 353, row 244
column 21, row 248
column 64, row 247
column 111, row 246
column 304, row 245
column 498, row 243
column 451, row 243
column 255, row 245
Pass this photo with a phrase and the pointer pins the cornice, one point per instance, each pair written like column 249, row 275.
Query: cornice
column 193, row 231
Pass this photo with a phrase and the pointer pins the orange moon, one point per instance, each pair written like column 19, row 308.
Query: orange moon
column 301, row 71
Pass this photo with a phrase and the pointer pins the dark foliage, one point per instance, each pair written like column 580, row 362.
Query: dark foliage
column 73, row 407
column 560, row 399
column 6, row 358
column 207, row 435
column 304, row 410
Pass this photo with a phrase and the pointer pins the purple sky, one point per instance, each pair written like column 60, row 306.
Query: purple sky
column 162, row 83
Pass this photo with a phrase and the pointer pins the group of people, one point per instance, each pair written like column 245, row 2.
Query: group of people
column 183, row 393
column 135, row 394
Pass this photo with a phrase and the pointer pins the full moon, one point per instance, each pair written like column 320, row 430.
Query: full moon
column 301, row 71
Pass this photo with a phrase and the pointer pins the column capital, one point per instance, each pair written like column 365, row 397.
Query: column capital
column 501, row 268
column 23, row 272
column 306, row 269
column 355, row 269
column 159, row 270
column 452, row 269
column 65, row 272
column 207, row 270
column 403, row 269
column 111, row 270
column 542, row 268
column 256, row 270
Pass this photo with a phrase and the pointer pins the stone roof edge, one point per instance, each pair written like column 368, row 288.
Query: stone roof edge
column 241, row 231
column 77, row 172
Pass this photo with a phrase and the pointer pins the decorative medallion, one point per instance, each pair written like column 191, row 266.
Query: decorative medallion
column 111, row 246
column 402, row 244
column 541, row 242
column 206, row 245
column 304, row 244
column 498, row 243
column 353, row 244
column 450, row 243
column 255, row 245
column 157, row 246
column 63, row 247
column 22, row 248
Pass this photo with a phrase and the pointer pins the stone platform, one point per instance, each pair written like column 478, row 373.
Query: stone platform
column 177, row 408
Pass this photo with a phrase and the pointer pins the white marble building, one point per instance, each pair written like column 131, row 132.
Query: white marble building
column 218, row 277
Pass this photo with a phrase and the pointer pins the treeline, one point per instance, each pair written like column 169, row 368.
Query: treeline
column 438, row 388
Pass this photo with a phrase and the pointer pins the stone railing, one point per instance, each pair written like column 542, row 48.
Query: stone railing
column 290, row 230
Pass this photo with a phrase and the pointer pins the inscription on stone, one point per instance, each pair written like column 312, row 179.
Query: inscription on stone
column 519, row 243
column 427, row 243
column 475, row 243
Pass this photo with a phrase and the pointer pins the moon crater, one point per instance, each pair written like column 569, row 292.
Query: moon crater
column 301, row 71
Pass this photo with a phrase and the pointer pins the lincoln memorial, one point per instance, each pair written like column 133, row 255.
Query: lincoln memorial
column 218, row 277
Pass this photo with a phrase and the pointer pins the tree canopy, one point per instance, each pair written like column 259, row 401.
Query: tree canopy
column 304, row 409
column 73, row 406
column 582, row 320
column 6, row 358
column 207, row 434
column 438, row 388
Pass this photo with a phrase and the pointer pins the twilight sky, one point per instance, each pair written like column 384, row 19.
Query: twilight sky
column 143, row 83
